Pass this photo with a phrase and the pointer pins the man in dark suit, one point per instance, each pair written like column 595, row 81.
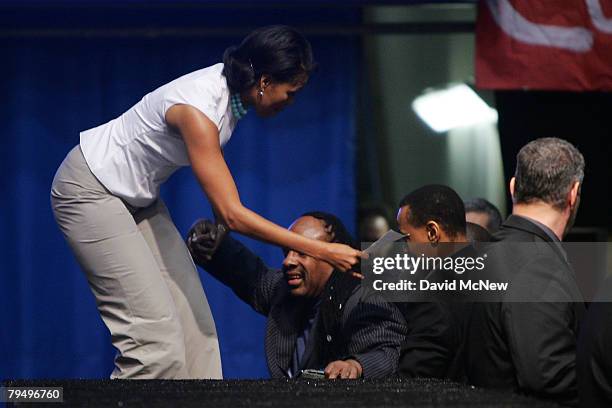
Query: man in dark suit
column 318, row 317
column 432, row 218
column 594, row 359
column 528, row 341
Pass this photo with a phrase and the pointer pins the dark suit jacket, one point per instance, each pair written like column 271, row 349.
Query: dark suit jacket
column 528, row 346
column 434, row 344
column 594, row 360
column 349, row 324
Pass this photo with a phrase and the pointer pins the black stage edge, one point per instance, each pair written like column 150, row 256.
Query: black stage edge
column 276, row 393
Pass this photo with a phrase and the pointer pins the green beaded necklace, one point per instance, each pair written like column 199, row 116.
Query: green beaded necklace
column 237, row 108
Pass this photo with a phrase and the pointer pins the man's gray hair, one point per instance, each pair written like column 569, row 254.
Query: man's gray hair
column 546, row 170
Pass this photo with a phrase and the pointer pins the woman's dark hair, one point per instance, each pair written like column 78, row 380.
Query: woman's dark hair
column 278, row 51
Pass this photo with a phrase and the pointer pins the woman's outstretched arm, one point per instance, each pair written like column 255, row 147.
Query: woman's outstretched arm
column 201, row 137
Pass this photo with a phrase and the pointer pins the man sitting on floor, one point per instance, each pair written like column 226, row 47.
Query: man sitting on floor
column 318, row 317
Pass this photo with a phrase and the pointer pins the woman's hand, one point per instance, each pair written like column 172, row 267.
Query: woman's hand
column 342, row 257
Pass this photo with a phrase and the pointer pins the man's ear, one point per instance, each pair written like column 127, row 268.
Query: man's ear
column 433, row 232
column 512, row 183
column 573, row 194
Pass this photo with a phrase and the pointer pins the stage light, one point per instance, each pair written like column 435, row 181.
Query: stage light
column 452, row 107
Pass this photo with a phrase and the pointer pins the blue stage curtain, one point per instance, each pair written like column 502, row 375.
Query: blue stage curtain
column 51, row 89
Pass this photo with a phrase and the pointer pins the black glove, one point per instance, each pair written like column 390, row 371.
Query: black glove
column 204, row 238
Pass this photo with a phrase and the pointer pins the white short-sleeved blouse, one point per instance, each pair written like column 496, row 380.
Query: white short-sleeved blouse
column 135, row 153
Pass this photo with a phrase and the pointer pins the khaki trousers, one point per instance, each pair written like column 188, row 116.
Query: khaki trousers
column 146, row 286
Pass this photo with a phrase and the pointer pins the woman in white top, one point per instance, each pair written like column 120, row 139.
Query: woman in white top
column 105, row 198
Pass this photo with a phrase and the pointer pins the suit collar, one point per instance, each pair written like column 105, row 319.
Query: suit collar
column 523, row 224
column 517, row 222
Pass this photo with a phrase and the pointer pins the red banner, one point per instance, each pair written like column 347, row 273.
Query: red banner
column 546, row 45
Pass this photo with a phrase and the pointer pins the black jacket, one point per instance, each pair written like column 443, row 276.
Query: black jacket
column 435, row 341
column 528, row 346
column 348, row 325
column 594, row 360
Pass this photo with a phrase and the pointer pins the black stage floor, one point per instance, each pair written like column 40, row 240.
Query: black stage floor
column 276, row 393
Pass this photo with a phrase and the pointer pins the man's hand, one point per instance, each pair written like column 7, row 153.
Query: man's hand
column 203, row 239
column 347, row 369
